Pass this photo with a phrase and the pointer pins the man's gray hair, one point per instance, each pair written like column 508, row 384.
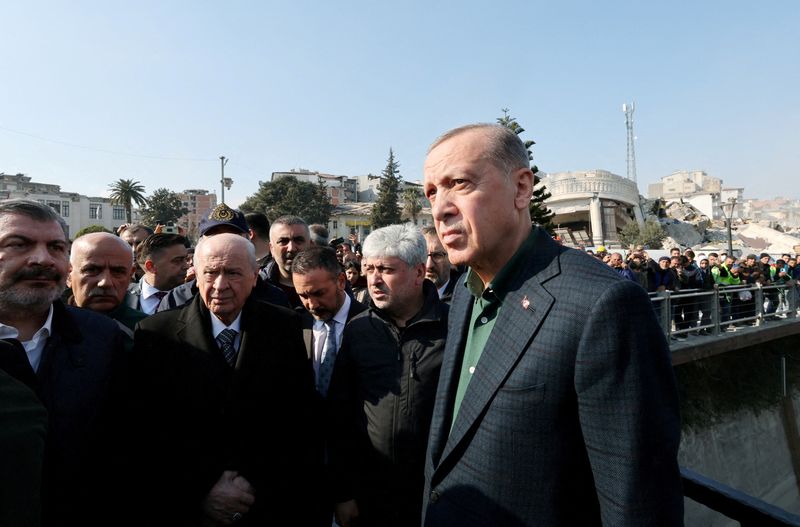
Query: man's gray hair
column 249, row 247
column 34, row 210
column 401, row 241
column 319, row 234
column 504, row 148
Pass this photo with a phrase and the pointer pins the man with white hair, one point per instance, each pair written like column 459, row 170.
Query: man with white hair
column 384, row 383
column 227, row 401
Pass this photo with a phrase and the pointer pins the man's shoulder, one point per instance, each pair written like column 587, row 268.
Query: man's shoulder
column 356, row 308
column 162, row 319
column 83, row 319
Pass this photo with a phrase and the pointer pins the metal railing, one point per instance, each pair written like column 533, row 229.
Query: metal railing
column 734, row 504
column 724, row 308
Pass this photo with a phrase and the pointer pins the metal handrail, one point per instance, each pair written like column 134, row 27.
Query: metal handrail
column 713, row 311
column 734, row 504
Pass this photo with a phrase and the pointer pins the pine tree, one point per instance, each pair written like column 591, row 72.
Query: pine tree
column 386, row 210
column 540, row 214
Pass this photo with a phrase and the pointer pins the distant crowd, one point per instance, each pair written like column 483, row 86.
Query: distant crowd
column 687, row 271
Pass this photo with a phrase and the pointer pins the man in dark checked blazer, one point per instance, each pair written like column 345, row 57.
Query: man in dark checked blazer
column 556, row 403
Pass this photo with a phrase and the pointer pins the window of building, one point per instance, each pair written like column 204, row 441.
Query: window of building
column 65, row 209
column 55, row 205
column 119, row 213
column 95, row 211
column 335, row 225
column 424, row 222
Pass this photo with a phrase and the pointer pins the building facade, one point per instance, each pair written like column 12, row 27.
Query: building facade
column 199, row 202
column 591, row 206
column 77, row 210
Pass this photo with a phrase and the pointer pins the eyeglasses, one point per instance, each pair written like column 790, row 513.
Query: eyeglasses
column 437, row 256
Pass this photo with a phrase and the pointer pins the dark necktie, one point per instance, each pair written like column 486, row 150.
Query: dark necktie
column 225, row 342
column 328, row 358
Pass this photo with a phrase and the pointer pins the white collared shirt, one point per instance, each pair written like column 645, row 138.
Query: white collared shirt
column 35, row 346
column 217, row 326
column 148, row 299
column 441, row 289
column 321, row 332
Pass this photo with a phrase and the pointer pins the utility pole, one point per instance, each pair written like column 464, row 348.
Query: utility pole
column 627, row 109
column 224, row 182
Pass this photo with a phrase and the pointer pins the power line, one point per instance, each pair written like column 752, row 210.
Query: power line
column 103, row 150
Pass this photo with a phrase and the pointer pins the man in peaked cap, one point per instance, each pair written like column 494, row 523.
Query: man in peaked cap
column 223, row 219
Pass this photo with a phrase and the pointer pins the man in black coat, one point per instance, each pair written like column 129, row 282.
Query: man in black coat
column 327, row 308
column 226, row 409
column 384, row 383
column 71, row 358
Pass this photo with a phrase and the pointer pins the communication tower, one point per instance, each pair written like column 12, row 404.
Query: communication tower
column 627, row 109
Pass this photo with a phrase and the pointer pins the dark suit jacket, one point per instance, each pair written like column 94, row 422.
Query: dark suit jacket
column 356, row 307
column 571, row 416
column 198, row 416
column 81, row 371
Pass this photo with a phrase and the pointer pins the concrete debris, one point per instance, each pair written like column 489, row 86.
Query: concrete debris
column 764, row 239
column 687, row 213
column 680, row 234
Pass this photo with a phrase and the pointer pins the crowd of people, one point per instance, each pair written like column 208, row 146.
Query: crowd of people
column 270, row 376
column 687, row 272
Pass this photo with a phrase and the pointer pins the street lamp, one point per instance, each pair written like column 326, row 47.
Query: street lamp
column 225, row 182
column 727, row 211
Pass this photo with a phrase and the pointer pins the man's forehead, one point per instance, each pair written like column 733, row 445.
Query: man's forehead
column 433, row 241
column 458, row 153
column 383, row 260
column 19, row 224
column 313, row 279
column 281, row 230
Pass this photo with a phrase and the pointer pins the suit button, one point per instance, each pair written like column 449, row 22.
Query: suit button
column 434, row 497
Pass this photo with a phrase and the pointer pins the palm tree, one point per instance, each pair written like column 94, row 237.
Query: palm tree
column 411, row 204
column 125, row 192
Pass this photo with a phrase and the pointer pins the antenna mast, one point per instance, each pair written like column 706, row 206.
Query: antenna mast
column 627, row 109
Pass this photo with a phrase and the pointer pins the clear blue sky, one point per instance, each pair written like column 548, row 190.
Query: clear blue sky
column 330, row 86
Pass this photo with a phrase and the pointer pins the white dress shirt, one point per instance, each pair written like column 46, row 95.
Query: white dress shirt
column 35, row 346
column 321, row 332
column 217, row 327
column 148, row 299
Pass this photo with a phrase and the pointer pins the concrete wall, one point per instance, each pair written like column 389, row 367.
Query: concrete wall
column 748, row 452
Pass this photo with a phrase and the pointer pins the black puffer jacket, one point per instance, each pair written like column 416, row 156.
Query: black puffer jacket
column 381, row 402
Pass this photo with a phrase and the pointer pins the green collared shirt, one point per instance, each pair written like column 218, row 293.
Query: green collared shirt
column 485, row 309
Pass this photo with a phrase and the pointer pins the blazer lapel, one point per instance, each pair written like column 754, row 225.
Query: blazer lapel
column 524, row 309
column 195, row 327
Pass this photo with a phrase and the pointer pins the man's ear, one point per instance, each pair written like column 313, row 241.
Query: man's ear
column 523, row 182
column 419, row 274
column 69, row 276
column 149, row 266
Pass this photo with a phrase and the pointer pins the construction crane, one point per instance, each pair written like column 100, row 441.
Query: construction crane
column 627, row 109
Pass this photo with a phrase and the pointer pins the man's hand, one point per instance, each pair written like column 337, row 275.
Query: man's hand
column 231, row 495
column 346, row 513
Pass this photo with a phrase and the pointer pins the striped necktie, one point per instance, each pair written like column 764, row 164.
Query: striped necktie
column 225, row 342
column 328, row 358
